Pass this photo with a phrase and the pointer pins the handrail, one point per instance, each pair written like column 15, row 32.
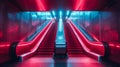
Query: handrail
column 31, row 37
column 95, row 49
column 86, row 34
column 27, row 49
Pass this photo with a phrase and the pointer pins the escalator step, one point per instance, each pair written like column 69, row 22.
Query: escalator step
column 45, row 50
column 44, row 53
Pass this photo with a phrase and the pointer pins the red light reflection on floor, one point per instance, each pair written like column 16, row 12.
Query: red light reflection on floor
column 37, row 62
column 83, row 62
column 50, row 62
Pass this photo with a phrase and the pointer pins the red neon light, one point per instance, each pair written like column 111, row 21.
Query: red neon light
column 40, row 5
column 79, row 4
column 94, row 49
column 27, row 49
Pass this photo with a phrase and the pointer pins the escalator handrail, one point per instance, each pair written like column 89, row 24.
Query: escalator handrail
column 93, row 39
column 32, row 48
column 87, row 41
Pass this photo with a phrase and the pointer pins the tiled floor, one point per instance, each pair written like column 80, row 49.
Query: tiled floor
column 50, row 62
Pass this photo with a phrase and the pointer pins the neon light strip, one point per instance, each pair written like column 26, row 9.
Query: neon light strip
column 60, row 14
column 60, row 26
column 40, row 5
column 54, row 15
column 79, row 4
column 84, row 47
column 68, row 12
column 39, row 41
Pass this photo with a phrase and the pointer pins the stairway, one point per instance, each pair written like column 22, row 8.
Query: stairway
column 46, row 49
column 74, row 49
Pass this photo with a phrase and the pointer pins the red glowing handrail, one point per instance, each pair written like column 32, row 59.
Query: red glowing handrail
column 26, row 49
column 79, row 4
column 95, row 49
column 40, row 5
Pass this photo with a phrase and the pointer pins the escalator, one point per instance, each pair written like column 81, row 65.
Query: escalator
column 74, row 49
column 77, row 55
column 77, row 52
column 46, row 49
column 42, row 45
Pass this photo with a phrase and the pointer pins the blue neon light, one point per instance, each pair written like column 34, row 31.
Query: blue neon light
column 60, row 13
column 68, row 12
column 34, row 15
column 53, row 12
column 60, row 37
column 39, row 13
column 81, row 13
column 87, row 13
column 60, row 27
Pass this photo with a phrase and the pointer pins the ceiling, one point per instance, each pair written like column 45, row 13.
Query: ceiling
column 47, row 5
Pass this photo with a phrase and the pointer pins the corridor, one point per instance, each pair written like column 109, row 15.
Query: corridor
column 59, row 33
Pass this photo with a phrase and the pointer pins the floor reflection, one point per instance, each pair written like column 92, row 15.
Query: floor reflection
column 60, row 62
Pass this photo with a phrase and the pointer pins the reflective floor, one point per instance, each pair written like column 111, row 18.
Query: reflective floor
column 38, row 61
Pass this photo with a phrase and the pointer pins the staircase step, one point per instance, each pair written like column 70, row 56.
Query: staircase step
column 76, row 48
column 79, row 46
column 45, row 50
column 48, row 44
column 43, row 53
column 76, row 55
column 46, row 47
column 76, row 52
column 51, row 55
